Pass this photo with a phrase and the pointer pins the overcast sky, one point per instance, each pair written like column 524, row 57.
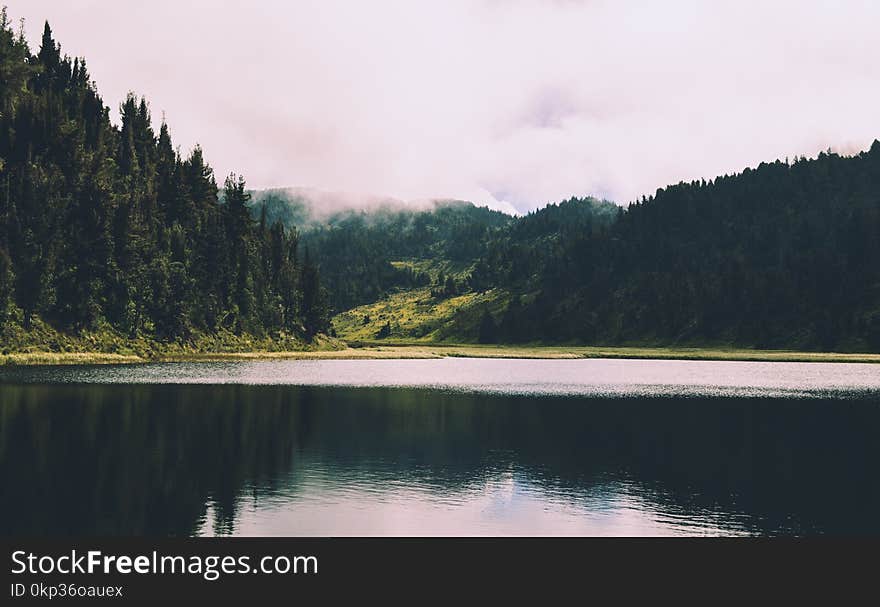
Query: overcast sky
column 510, row 103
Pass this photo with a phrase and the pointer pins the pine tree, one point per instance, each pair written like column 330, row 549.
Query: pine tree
column 488, row 331
column 315, row 312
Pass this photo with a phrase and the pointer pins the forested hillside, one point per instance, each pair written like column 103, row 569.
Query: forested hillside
column 110, row 228
column 435, row 273
column 356, row 249
column 784, row 255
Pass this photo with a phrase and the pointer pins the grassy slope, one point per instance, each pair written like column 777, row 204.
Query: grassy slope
column 44, row 345
column 415, row 315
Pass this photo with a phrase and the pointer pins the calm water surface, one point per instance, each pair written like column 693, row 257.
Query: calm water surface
column 441, row 447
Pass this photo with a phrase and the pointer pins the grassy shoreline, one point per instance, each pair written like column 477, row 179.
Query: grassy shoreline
column 374, row 351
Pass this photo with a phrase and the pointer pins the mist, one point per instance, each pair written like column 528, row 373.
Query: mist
column 309, row 205
column 508, row 104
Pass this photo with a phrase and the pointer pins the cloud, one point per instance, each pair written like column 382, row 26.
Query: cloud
column 513, row 104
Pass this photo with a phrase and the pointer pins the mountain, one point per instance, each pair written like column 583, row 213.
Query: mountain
column 365, row 248
column 786, row 255
column 430, row 271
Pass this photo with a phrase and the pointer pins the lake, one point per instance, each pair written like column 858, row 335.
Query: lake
column 441, row 447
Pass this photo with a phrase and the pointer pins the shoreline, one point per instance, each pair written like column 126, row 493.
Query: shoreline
column 439, row 351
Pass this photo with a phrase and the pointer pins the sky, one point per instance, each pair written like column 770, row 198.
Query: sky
column 509, row 103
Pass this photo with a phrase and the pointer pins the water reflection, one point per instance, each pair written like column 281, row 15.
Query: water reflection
column 285, row 460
